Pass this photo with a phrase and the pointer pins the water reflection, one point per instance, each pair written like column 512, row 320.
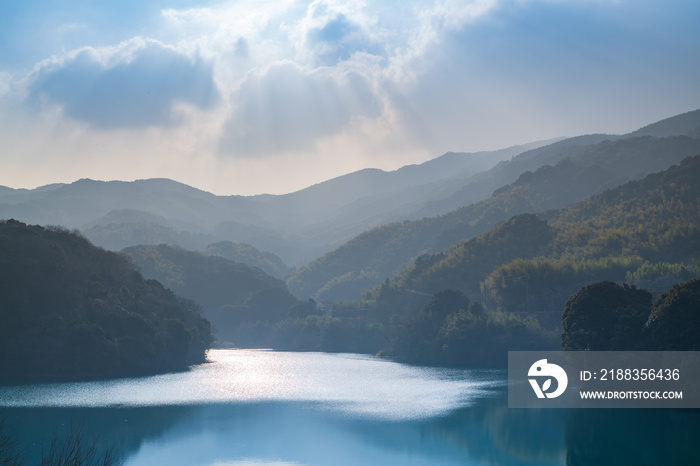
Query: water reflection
column 633, row 436
column 325, row 410
column 296, row 433
column 125, row 429
column 356, row 384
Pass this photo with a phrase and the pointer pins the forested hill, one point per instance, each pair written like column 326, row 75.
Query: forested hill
column 212, row 281
column 642, row 231
column 296, row 226
column 247, row 307
column 371, row 257
column 72, row 310
column 247, row 254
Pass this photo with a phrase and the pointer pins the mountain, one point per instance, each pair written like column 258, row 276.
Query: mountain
column 210, row 280
column 247, row 254
column 686, row 124
column 72, row 310
column 581, row 171
column 296, row 226
column 304, row 225
column 504, row 290
column 530, row 263
column 247, row 307
column 482, row 185
column 339, row 198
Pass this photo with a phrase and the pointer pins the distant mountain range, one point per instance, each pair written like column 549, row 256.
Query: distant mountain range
column 378, row 254
column 339, row 233
column 642, row 230
column 297, row 226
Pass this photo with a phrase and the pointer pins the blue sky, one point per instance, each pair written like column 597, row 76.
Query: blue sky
column 271, row 96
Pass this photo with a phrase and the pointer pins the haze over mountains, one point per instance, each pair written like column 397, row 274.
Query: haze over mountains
column 438, row 203
column 298, row 226
column 563, row 174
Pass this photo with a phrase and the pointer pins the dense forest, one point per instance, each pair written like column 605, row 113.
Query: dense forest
column 645, row 230
column 507, row 288
column 249, row 308
column 210, row 280
column 579, row 226
column 566, row 175
column 606, row 316
column 247, row 254
column 72, row 310
column 451, row 330
column 466, row 305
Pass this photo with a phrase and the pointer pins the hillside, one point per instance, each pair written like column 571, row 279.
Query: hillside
column 296, row 226
column 481, row 186
column 71, row 310
column 636, row 230
column 247, row 254
column 247, row 307
column 306, row 224
column 686, row 124
column 377, row 254
column 212, row 281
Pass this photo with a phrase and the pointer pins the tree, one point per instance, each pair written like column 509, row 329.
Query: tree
column 605, row 316
column 10, row 454
column 71, row 310
column 674, row 323
column 73, row 449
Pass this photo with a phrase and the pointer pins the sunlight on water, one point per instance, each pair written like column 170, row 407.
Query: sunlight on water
column 355, row 384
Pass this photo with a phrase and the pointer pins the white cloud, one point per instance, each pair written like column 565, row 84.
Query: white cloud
column 5, row 79
column 317, row 88
column 133, row 84
column 287, row 108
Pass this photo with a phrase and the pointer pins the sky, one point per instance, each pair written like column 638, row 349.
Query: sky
column 248, row 97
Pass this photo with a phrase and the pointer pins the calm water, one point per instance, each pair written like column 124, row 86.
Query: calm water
column 271, row 408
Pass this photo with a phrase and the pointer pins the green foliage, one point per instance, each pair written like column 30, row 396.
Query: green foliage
column 70, row 309
column 662, row 276
column 464, row 266
column 656, row 218
column 118, row 235
column 648, row 271
column 674, row 322
column 605, row 316
column 329, row 333
column 214, row 282
column 269, row 305
column 450, row 330
column 527, row 265
column 544, row 285
column 312, row 332
column 567, row 174
column 247, row 254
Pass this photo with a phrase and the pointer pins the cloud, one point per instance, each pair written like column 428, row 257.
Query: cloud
column 134, row 84
column 287, row 109
column 279, row 92
column 338, row 39
column 5, row 79
column 331, row 32
column 347, row 64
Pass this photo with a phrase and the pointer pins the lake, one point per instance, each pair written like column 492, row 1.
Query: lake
column 257, row 407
